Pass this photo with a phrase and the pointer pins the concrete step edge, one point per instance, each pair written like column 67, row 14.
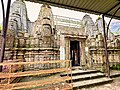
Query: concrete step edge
column 80, row 72
column 91, row 82
column 115, row 75
column 87, row 76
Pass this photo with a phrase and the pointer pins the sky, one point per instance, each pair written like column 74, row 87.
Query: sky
column 34, row 8
column 56, row 11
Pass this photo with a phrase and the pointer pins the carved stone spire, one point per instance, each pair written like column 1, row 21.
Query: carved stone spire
column 44, row 26
column 45, row 17
column 18, row 17
column 90, row 28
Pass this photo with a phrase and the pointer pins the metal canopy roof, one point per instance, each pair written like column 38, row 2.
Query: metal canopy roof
column 106, row 7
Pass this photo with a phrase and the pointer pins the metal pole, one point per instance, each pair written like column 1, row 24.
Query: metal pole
column 111, row 20
column 106, row 51
column 4, row 31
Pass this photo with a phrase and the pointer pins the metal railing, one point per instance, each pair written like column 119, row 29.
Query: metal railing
column 36, row 83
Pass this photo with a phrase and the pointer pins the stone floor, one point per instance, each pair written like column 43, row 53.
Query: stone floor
column 115, row 85
column 114, row 72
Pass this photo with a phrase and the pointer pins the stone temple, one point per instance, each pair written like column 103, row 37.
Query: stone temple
column 58, row 38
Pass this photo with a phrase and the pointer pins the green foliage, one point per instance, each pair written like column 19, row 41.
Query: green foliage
column 116, row 67
column 0, row 28
column 99, row 18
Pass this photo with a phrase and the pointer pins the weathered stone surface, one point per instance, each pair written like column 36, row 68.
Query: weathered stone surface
column 115, row 85
column 90, row 28
column 43, row 27
column 18, row 17
column 43, row 34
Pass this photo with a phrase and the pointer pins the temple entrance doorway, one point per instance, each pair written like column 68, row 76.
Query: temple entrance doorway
column 75, row 53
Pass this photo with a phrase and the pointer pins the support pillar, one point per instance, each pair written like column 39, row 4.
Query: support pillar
column 4, row 31
column 83, row 62
column 106, row 51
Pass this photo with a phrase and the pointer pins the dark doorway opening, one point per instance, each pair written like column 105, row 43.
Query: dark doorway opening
column 75, row 53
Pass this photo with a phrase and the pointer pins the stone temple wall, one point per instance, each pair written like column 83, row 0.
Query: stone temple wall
column 35, row 55
column 97, row 52
column 97, row 57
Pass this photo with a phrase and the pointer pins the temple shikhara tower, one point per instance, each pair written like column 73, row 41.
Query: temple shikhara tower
column 44, row 27
column 18, row 17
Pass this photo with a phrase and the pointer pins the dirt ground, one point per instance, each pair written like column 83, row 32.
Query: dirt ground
column 115, row 85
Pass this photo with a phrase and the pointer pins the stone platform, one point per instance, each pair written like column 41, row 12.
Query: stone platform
column 86, row 78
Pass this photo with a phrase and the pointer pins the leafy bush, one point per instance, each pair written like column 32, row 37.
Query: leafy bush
column 116, row 67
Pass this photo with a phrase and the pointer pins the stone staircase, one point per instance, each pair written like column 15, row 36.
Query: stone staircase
column 84, row 78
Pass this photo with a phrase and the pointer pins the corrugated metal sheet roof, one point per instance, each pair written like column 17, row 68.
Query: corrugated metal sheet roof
column 107, row 7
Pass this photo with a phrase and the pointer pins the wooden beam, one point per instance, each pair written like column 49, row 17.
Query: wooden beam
column 36, row 62
column 32, row 73
column 35, row 83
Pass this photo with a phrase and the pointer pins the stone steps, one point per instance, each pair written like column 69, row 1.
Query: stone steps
column 114, row 75
column 77, row 67
column 85, row 78
column 90, row 82
column 80, row 72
